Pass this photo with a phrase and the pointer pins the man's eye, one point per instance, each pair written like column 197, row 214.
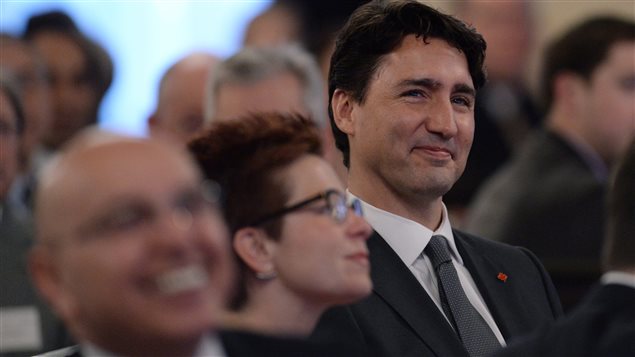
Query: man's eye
column 413, row 93
column 464, row 101
column 124, row 219
column 192, row 203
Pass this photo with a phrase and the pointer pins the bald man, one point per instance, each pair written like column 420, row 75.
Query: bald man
column 179, row 112
column 131, row 251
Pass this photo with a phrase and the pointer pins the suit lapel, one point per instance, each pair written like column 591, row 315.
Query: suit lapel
column 395, row 284
column 500, row 297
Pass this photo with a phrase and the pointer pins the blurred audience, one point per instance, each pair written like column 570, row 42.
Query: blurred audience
column 80, row 72
column 26, row 325
column 19, row 57
column 182, row 93
column 301, row 249
column 604, row 324
column 504, row 109
column 549, row 198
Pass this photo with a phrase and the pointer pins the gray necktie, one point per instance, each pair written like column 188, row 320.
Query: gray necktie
column 477, row 337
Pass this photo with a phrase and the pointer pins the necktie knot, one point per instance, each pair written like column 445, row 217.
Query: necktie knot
column 438, row 251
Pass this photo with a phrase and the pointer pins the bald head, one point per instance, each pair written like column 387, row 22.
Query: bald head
column 179, row 112
column 98, row 161
column 130, row 242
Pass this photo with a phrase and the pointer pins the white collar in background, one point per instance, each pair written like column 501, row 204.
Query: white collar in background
column 618, row 277
column 210, row 345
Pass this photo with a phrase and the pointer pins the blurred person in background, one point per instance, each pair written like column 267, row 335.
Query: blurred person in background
column 181, row 98
column 27, row 326
column 504, row 110
column 21, row 59
column 550, row 197
column 313, row 25
column 604, row 323
column 257, row 79
column 265, row 79
column 80, row 72
column 301, row 248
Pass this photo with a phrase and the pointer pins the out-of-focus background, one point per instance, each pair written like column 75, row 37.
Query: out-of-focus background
column 145, row 37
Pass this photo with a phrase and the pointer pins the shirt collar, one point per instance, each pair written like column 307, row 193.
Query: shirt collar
column 406, row 237
column 210, row 345
column 618, row 277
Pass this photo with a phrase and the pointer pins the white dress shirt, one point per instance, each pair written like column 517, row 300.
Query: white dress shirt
column 408, row 239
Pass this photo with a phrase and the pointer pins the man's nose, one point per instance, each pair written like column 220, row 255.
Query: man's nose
column 440, row 119
column 173, row 233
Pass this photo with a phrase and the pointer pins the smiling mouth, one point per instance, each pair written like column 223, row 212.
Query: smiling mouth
column 434, row 151
column 191, row 277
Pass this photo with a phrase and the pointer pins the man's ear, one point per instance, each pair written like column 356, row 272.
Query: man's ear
column 569, row 89
column 47, row 279
column 254, row 248
column 342, row 105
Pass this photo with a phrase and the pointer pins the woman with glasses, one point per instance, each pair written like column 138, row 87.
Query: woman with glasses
column 301, row 248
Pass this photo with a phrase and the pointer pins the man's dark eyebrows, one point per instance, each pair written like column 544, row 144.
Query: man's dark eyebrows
column 420, row 82
column 464, row 89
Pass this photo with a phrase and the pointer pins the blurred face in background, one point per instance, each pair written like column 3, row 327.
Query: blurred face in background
column 507, row 26
column 282, row 92
column 74, row 98
column 27, row 66
column 9, row 142
column 607, row 102
column 179, row 113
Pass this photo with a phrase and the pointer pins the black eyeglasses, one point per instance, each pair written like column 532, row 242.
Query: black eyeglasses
column 335, row 204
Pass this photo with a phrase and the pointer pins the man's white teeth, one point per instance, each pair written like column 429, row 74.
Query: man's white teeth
column 182, row 279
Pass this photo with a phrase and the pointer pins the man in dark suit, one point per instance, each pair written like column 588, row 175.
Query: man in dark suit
column 550, row 197
column 402, row 84
column 604, row 324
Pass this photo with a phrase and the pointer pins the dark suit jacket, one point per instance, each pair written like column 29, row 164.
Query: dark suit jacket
column 603, row 325
column 400, row 319
column 16, row 288
column 548, row 200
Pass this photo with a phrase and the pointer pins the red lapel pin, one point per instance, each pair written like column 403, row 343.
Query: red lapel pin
column 502, row 277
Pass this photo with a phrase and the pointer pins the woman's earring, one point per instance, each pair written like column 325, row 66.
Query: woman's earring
column 266, row 275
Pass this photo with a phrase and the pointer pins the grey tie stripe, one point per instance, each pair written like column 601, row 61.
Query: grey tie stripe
column 476, row 335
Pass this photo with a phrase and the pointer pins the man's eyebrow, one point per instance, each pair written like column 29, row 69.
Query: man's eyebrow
column 420, row 82
column 464, row 89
